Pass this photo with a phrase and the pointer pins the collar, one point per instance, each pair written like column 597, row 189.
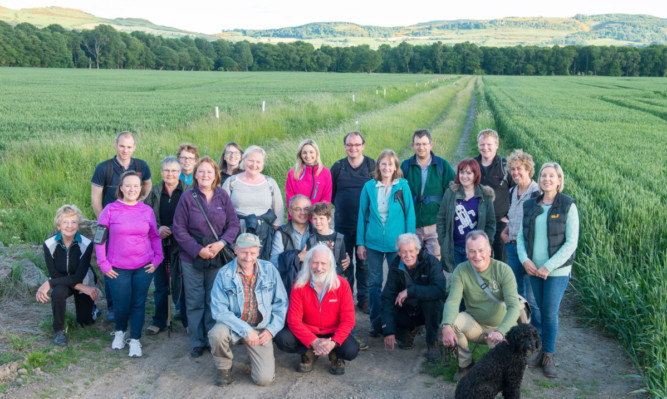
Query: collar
column 326, row 287
column 187, row 179
column 413, row 160
column 239, row 270
column 59, row 237
column 379, row 183
column 115, row 161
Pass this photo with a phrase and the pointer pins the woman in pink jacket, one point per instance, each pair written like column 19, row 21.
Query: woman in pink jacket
column 309, row 177
column 128, row 256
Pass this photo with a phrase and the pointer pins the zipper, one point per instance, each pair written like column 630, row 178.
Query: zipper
column 312, row 174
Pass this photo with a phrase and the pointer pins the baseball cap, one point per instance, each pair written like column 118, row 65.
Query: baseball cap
column 248, row 240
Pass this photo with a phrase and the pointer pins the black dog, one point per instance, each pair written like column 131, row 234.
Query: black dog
column 501, row 369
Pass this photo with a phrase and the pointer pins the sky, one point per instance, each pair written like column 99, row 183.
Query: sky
column 205, row 16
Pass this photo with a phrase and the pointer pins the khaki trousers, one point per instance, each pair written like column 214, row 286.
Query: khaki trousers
column 262, row 362
column 428, row 235
column 467, row 329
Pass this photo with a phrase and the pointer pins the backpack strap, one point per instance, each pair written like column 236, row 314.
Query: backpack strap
column 405, row 165
column 107, row 178
column 338, row 244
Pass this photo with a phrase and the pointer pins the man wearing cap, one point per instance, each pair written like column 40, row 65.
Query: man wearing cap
column 249, row 305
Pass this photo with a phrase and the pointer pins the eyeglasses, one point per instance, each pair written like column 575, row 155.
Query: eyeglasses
column 353, row 145
column 233, row 153
column 189, row 159
column 171, row 171
column 301, row 210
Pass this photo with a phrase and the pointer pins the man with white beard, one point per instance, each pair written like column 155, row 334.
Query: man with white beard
column 320, row 316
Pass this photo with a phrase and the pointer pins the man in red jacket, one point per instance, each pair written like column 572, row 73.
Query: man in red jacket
column 320, row 316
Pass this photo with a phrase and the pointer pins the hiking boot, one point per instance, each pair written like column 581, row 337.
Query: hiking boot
column 224, row 377
column 364, row 307
column 409, row 341
column 548, row 365
column 60, row 338
column 433, row 352
column 95, row 313
column 362, row 345
column 373, row 333
column 462, row 371
column 153, row 330
column 197, row 351
column 535, row 360
column 337, row 364
column 118, row 340
column 135, row 348
column 307, row 360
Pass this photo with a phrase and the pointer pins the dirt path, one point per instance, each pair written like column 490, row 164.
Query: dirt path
column 464, row 144
column 589, row 365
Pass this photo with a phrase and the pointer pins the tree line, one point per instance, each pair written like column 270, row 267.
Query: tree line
column 25, row 45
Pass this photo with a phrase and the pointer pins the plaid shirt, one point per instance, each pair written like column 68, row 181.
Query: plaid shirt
column 250, row 313
column 515, row 214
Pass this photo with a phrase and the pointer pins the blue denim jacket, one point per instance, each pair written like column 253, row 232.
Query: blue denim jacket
column 227, row 299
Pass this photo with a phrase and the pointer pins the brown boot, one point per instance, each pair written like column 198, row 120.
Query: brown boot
column 224, row 377
column 548, row 365
column 433, row 352
column 307, row 360
column 337, row 364
column 535, row 360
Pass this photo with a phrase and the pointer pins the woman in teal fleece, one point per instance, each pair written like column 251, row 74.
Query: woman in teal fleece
column 386, row 211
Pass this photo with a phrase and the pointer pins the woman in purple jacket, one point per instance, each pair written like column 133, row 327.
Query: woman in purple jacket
column 129, row 257
column 200, row 254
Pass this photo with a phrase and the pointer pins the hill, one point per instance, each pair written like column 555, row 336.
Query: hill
column 606, row 29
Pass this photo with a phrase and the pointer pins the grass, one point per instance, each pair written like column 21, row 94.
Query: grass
column 446, row 373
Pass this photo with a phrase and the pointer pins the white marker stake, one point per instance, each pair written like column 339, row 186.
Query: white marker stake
column 385, row 92
column 376, row 92
column 353, row 98
column 217, row 112
column 263, row 106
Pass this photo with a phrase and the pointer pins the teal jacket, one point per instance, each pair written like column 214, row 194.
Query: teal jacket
column 370, row 231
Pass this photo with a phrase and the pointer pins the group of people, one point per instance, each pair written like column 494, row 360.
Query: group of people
column 461, row 245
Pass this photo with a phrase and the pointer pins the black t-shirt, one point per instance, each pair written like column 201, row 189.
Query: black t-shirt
column 347, row 183
column 498, row 178
column 100, row 175
column 325, row 239
column 168, row 206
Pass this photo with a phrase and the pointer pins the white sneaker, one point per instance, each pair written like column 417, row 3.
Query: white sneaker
column 135, row 348
column 118, row 340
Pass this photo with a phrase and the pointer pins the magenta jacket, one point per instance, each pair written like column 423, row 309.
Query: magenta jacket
column 133, row 237
column 317, row 188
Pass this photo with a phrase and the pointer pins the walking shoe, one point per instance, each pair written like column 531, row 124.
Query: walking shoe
column 548, row 365
column 372, row 333
column 461, row 372
column 224, row 377
column 197, row 351
column 153, row 330
column 362, row 345
column 135, row 348
column 433, row 352
column 118, row 340
column 307, row 360
column 337, row 364
column 535, row 360
column 409, row 341
column 60, row 338
column 364, row 307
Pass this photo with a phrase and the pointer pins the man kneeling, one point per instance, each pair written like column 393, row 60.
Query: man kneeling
column 413, row 296
column 248, row 303
column 320, row 315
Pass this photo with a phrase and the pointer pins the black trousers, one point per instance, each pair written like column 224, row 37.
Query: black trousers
column 83, row 303
column 286, row 341
column 499, row 252
column 427, row 314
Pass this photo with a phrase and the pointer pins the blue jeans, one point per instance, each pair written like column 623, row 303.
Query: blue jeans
column 375, row 260
column 460, row 255
column 160, row 296
column 350, row 239
column 130, row 290
column 524, row 288
column 548, row 294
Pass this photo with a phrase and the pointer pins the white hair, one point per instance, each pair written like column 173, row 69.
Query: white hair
column 407, row 238
column 304, row 276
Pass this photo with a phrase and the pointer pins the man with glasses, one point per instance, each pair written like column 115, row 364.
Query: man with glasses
column 295, row 233
column 187, row 155
column 348, row 176
column 428, row 176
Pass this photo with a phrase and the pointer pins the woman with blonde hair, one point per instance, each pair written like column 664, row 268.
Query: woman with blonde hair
column 309, row 177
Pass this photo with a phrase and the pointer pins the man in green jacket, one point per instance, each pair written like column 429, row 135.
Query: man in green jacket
column 428, row 177
column 485, row 318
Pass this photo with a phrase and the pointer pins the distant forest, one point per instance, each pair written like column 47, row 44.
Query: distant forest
column 104, row 47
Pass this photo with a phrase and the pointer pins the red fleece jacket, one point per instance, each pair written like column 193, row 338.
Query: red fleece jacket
column 307, row 319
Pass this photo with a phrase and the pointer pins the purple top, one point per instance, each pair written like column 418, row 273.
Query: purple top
column 189, row 220
column 133, row 237
column 465, row 220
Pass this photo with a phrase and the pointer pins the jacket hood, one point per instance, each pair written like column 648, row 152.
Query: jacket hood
column 486, row 190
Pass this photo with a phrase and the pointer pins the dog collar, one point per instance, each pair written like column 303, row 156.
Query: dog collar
column 506, row 341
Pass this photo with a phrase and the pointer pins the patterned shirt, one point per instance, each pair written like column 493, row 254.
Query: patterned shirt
column 250, row 313
column 515, row 213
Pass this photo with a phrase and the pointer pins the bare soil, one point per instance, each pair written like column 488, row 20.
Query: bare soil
column 590, row 365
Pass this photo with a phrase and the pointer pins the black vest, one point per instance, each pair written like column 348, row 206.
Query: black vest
column 556, row 220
